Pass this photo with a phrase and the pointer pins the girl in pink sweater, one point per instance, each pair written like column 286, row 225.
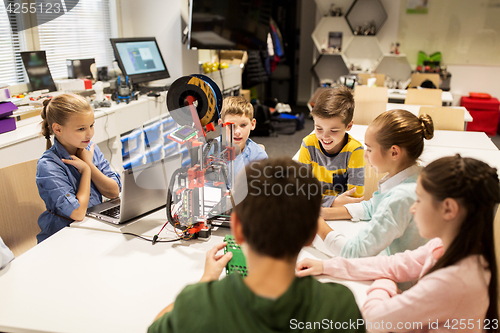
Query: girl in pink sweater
column 456, row 271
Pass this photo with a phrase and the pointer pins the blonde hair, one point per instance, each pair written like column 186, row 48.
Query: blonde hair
column 338, row 102
column 58, row 110
column 402, row 128
column 236, row 105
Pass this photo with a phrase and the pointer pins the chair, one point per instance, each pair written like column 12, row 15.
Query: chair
column 20, row 205
column 418, row 78
column 445, row 118
column 424, row 97
column 369, row 103
column 379, row 82
column 371, row 181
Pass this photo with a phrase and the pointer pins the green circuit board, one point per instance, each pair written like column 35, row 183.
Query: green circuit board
column 237, row 263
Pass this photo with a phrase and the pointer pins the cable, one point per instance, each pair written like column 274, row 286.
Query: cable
column 107, row 139
column 150, row 240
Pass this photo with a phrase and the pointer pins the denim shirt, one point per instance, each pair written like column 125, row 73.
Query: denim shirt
column 58, row 184
column 252, row 152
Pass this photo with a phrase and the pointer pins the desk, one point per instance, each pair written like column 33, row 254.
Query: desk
column 25, row 143
column 400, row 95
column 85, row 280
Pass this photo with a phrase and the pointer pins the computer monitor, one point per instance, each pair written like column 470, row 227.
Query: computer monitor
column 35, row 63
column 229, row 25
column 140, row 59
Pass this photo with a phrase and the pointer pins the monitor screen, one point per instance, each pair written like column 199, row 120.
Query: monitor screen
column 35, row 63
column 229, row 25
column 140, row 59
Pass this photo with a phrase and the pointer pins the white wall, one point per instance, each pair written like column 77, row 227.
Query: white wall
column 161, row 19
column 468, row 78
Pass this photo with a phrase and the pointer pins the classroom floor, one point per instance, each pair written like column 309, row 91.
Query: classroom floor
column 286, row 145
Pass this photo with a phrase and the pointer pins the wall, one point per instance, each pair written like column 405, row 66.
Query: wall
column 162, row 19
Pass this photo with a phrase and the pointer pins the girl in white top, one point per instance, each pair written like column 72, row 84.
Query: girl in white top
column 394, row 142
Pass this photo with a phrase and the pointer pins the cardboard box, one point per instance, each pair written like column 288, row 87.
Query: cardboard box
column 236, row 58
column 245, row 93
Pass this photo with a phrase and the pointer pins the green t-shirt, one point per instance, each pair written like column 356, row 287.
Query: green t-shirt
column 228, row 305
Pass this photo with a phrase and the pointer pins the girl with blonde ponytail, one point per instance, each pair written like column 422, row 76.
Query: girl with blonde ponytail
column 72, row 174
column 394, row 142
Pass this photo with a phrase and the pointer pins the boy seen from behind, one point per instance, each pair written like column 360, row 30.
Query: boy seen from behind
column 272, row 223
column 336, row 158
column 237, row 110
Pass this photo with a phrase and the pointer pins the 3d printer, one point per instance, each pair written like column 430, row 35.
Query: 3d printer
column 194, row 102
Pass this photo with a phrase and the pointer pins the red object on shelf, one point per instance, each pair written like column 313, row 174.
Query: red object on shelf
column 479, row 95
column 485, row 114
column 88, row 83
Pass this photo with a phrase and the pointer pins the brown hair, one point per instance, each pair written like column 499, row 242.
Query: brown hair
column 402, row 128
column 58, row 110
column 475, row 185
column 279, row 214
column 338, row 102
column 236, row 105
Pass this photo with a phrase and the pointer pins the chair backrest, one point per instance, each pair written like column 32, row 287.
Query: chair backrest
column 424, row 97
column 445, row 118
column 379, row 82
column 418, row 78
column 20, row 206
column 371, row 181
column 369, row 102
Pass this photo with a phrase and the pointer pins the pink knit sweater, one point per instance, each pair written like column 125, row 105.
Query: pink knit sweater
column 450, row 299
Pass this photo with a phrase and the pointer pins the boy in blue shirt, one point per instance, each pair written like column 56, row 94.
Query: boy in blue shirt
column 237, row 110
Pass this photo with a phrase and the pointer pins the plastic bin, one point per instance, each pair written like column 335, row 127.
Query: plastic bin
column 186, row 162
column 171, row 148
column 485, row 114
column 134, row 161
column 153, row 154
column 166, row 140
column 152, row 133
column 130, row 142
column 168, row 123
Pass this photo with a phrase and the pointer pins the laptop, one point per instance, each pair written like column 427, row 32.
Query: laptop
column 144, row 190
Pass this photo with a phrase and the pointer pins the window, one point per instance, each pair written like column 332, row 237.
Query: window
column 11, row 42
column 82, row 32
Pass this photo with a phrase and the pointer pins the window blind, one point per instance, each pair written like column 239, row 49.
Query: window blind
column 81, row 33
column 11, row 43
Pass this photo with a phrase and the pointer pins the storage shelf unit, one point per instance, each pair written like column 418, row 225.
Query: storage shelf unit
column 358, row 50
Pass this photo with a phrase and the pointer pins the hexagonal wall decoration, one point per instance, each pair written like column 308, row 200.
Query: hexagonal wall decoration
column 329, row 7
column 329, row 67
column 364, row 53
column 395, row 66
column 366, row 17
column 331, row 24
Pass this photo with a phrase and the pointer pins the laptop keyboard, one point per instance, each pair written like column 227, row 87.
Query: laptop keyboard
column 112, row 212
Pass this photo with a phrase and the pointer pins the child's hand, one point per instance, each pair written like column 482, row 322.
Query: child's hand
column 77, row 163
column 86, row 155
column 215, row 263
column 346, row 198
column 309, row 267
column 323, row 228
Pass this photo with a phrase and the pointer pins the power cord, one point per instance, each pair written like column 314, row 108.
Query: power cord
column 154, row 240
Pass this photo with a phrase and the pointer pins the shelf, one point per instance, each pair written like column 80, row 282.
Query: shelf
column 363, row 12
column 329, row 24
column 395, row 66
column 331, row 67
column 363, row 51
column 325, row 5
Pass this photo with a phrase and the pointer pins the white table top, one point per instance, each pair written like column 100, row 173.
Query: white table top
column 400, row 94
column 84, row 280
